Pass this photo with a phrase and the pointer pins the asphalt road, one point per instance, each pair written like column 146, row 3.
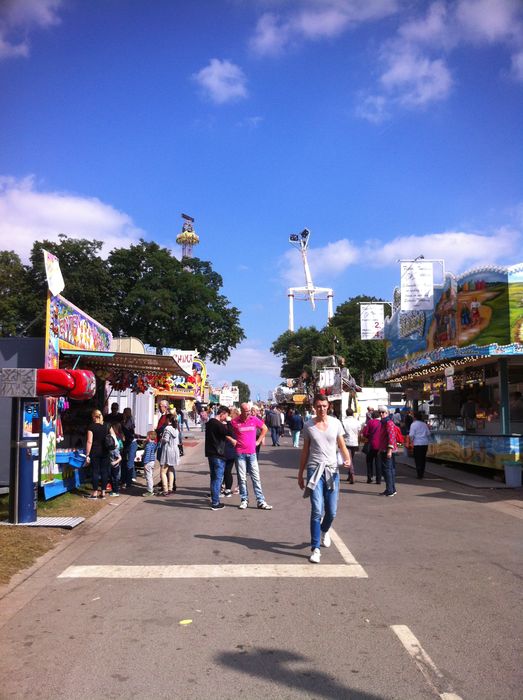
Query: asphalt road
column 428, row 606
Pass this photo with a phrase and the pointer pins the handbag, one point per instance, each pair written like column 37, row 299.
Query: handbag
column 109, row 441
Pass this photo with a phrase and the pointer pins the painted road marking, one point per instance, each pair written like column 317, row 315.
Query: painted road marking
column 217, row 571
column 346, row 554
column 428, row 668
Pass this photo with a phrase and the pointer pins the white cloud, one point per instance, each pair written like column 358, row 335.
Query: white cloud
column 415, row 80
column 373, row 108
column 489, row 20
column 270, row 36
column 222, row 81
column 28, row 215
column 517, row 66
column 459, row 249
column 18, row 18
column 330, row 260
column 311, row 20
column 433, row 27
column 416, row 61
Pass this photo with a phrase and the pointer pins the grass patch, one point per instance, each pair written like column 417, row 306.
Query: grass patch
column 21, row 546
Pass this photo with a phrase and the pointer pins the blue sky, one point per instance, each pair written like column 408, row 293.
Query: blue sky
column 389, row 128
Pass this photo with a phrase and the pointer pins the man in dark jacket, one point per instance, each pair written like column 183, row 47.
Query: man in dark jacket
column 217, row 432
column 295, row 423
column 274, row 423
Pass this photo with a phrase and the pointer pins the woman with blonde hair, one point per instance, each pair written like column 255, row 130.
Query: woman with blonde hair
column 97, row 453
column 170, row 455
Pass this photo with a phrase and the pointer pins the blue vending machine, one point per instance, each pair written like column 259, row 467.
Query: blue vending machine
column 23, row 499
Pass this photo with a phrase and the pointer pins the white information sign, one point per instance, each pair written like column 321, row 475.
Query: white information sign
column 417, row 286
column 372, row 321
column 55, row 281
column 229, row 395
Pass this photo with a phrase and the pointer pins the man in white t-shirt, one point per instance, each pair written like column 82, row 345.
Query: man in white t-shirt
column 322, row 437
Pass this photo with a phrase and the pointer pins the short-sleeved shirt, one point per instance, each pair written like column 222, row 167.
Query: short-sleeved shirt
column 245, row 433
column 323, row 443
column 352, row 430
column 99, row 431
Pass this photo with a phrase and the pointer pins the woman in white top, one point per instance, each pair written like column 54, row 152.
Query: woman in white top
column 420, row 435
column 351, row 427
column 169, row 456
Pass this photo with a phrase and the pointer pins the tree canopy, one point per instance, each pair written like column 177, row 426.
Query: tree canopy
column 340, row 337
column 141, row 290
column 243, row 390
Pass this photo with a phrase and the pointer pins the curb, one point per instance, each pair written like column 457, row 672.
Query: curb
column 27, row 583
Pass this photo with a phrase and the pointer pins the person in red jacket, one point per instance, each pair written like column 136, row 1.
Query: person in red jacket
column 372, row 432
column 388, row 447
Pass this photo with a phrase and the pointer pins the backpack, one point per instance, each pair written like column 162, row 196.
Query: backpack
column 109, row 441
column 400, row 438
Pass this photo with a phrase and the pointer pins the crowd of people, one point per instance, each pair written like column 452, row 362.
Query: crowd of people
column 233, row 438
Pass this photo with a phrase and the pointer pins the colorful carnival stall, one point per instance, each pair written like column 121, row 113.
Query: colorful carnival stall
column 462, row 361
column 187, row 389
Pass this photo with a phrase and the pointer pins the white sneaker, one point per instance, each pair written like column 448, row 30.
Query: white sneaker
column 315, row 556
column 325, row 539
column 243, row 505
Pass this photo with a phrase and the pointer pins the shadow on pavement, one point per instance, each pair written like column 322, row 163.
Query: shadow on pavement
column 274, row 665
column 264, row 545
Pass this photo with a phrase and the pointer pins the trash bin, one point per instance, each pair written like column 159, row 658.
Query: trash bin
column 512, row 474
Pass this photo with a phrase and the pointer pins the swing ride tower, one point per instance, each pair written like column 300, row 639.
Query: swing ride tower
column 309, row 292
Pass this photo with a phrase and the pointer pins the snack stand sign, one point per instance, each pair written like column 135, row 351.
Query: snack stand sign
column 190, row 387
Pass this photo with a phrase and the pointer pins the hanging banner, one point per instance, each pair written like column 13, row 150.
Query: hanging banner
column 55, row 281
column 417, row 286
column 372, row 321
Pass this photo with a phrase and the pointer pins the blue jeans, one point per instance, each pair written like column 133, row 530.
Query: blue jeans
column 249, row 463
column 323, row 503
column 389, row 472
column 216, row 467
column 115, row 477
column 296, row 438
column 128, row 472
column 275, row 435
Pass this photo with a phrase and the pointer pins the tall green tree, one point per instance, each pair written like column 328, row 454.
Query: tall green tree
column 142, row 291
column 15, row 290
column 340, row 337
column 167, row 303
column 86, row 275
column 296, row 348
column 243, row 390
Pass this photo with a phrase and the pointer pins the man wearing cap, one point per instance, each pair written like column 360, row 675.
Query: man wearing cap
column 388, row 446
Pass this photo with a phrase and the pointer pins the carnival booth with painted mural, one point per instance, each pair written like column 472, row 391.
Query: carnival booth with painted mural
column 462, row 361
column 187, row 389
column 76, row 341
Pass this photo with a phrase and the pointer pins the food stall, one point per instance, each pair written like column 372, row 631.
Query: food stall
column 463, row 363
column 188, row 388
column 74, row 340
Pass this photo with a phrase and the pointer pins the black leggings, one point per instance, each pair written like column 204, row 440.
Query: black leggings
column 101, row 470
column 420, row 458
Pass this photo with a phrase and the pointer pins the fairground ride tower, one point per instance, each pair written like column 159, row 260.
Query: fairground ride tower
column 187, row 239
